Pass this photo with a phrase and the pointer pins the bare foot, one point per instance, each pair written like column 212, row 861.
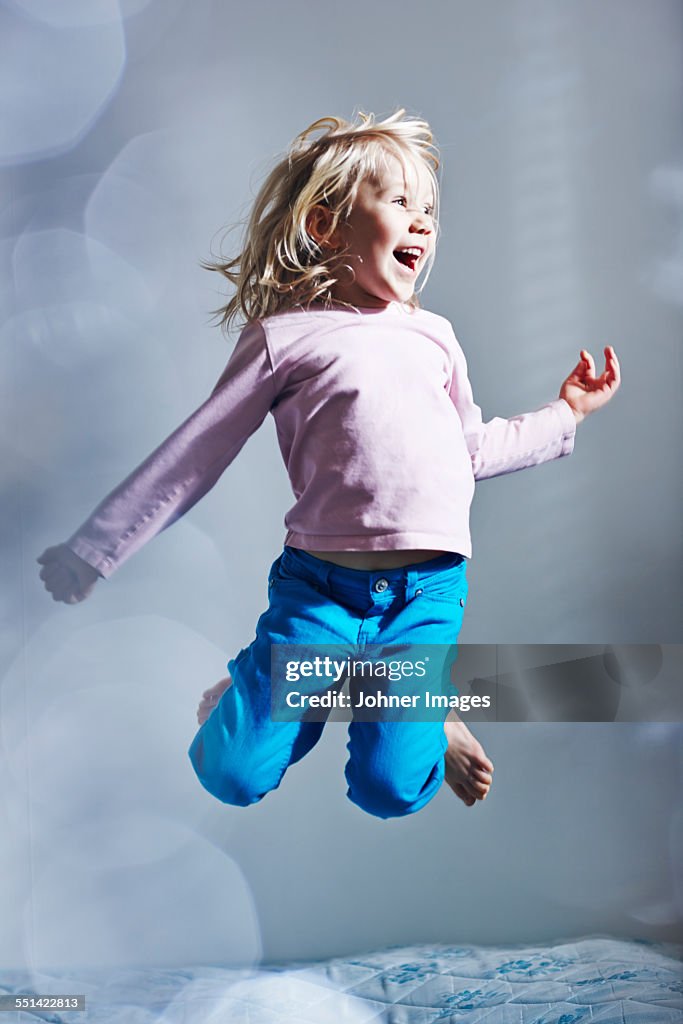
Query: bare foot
column 469, row 772
column 210, row 699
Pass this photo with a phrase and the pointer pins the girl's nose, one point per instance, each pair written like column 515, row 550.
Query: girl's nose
column 422, row 222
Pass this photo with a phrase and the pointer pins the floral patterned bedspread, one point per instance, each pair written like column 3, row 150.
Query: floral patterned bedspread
column 588, row 980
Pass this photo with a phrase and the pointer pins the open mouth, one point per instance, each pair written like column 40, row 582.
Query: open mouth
column 408, row 258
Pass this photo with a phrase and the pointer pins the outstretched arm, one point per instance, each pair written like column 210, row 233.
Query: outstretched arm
column 172, row 479
column 506, row 445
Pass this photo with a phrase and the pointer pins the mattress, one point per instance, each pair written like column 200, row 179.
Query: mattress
column 593, row 979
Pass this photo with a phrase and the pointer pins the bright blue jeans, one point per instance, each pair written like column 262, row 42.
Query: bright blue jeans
column 394, row 767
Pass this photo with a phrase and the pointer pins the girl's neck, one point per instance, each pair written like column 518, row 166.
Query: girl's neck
column 338, row 304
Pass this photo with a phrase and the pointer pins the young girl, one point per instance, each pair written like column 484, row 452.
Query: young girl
column 382, row 441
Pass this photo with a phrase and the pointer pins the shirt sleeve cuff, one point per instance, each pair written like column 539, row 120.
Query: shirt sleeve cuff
column 568, row 421
column 95, row 559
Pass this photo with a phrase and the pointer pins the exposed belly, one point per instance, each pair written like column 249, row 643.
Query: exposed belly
column 374, row 560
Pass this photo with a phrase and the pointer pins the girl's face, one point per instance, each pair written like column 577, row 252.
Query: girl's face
column 389, row 235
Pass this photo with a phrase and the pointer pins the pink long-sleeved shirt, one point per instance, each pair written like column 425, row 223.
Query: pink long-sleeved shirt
column 376, row 424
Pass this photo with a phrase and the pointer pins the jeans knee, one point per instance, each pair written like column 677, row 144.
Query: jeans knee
column 231, row 780
column 386, row 796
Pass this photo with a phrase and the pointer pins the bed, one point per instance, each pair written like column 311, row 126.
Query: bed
column 594, row 979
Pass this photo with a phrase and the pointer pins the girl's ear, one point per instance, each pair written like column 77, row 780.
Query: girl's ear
column 319, row 224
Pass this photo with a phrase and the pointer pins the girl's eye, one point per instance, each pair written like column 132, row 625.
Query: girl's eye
column 428, row 210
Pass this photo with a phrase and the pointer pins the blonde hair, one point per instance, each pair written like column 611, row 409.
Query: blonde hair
column 281, row 265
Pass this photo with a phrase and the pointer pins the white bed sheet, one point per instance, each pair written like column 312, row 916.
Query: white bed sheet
column 589, row 980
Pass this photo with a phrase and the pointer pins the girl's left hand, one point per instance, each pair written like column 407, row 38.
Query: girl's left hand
column 583, row 391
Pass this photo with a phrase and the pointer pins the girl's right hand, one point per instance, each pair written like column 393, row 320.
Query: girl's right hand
column 66, row 576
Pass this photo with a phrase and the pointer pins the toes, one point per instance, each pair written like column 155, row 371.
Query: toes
column 481, row 786
column 210, row 698
column 461, row 792
column 482, row 764
column 204, row 711
column 218, row 688
column 477, row 784
column 466, row 797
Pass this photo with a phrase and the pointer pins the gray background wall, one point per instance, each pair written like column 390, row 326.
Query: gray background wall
column 130, row 134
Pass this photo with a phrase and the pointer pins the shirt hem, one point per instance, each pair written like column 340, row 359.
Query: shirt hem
column 380, row 542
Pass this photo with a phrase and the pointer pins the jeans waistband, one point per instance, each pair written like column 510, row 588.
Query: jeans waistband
column 376, row 583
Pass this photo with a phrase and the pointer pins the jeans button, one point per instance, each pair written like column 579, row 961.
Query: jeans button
column 418, row 592
column 380, row 586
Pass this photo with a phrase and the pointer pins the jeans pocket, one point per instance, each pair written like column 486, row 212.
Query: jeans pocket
column 284, row 579
column 454, row 589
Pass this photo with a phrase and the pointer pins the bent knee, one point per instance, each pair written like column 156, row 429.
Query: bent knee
column 231, row 779
column 390, row 797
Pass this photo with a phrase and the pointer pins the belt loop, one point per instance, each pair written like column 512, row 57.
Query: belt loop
column 412, row 576
column 324, row 569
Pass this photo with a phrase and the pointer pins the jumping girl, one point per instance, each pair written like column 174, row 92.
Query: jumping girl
column 382, row 442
